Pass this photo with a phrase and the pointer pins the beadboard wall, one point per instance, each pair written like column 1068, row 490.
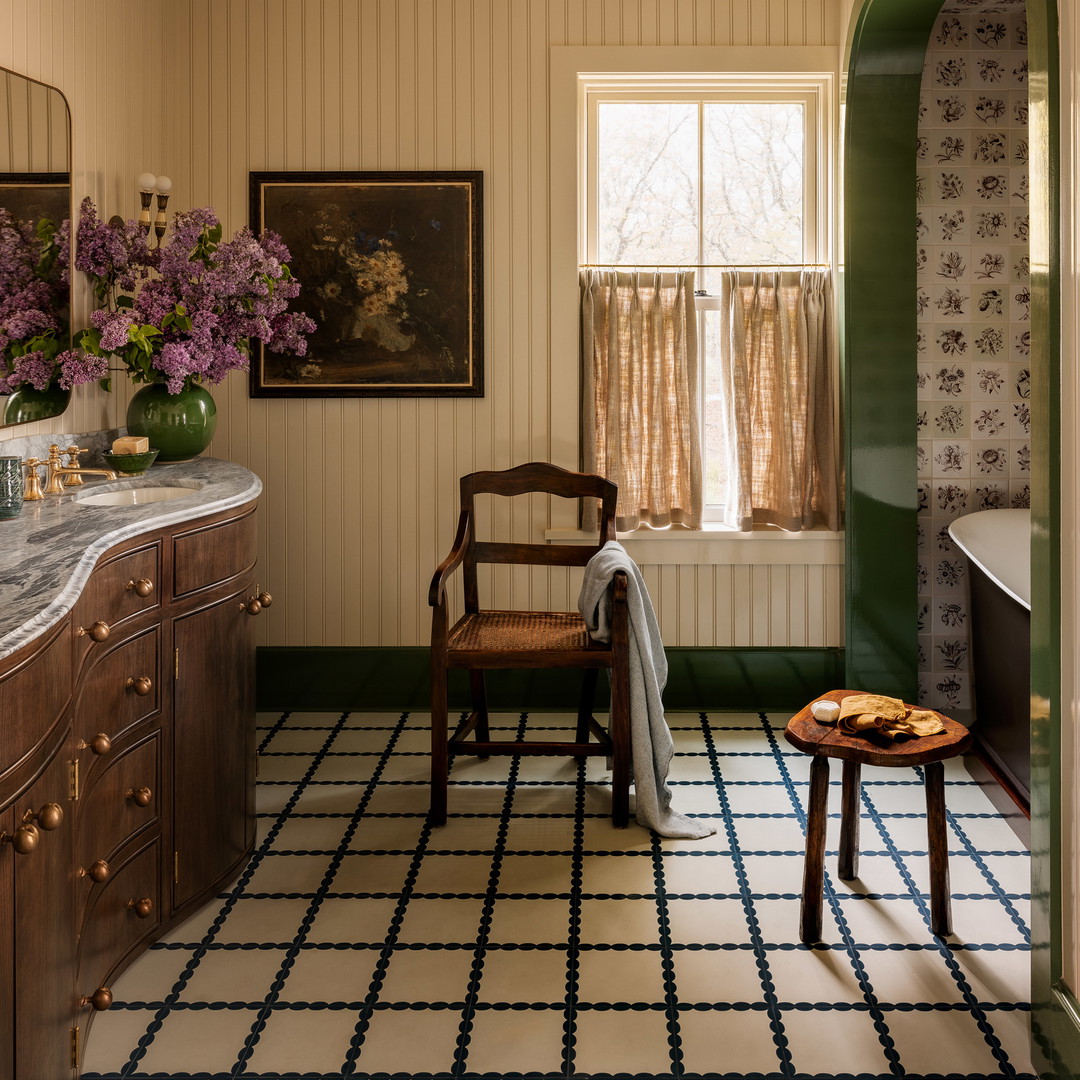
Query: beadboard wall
column 360, row 495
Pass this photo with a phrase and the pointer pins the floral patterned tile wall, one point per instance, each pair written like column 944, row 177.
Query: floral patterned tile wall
column 974, row 305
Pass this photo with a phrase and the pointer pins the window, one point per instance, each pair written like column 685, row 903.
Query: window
column 703, row 175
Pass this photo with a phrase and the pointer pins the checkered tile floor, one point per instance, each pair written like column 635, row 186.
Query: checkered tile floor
column 529, row 936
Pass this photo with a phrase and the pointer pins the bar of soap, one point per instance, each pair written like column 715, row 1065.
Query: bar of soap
column 131, row 444
column 825, row 711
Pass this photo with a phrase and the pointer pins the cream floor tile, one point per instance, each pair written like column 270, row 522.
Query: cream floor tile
column 695, row 799
column 540, row 834
column 599, row 835
column 465, row 834
column 938, row 1042
column 400, row 799
column 619, row 921
column 534, row 874
column 984, row 920
column 361, row 741
column 352, row 768
column 434, row 921
column 849, row 1043
column 307, row 1041
column 778, row 922
column 371, row 873
column 114, row 1035
column 758, row 798
column 261, row 920
column 551, row 799
column 715, row 1043
column 387, row 834
column 1013, row 1031
column 893, row 921
column 290, row 767
column 770, row 834
column 701, row 922
column 505, row 1042
column 562, row 770
column 468, row 767
column 814, row 975
column 363, row 921
column 691, row 872
column 774, row 873
column 986, row 834
column 410, row 1042
column 296, row 741
column 453, row 874
column 410, row 741
column 329, row 798
column 289, row 874
column 609, row 976
column 996, row 975
column 909, row 976
column 330, row 975
column 151, row 977
column 613, row 1042
column 907, row 796
column 630, row 873
column 717, row 975
column 202, row 1040
column 272, row 798
column 233, row 975
column 310, row 834
column 414, row 767
column 476, row 799
column 520, row 975
column 193, row 929
column 530, row 922
column 424, row 975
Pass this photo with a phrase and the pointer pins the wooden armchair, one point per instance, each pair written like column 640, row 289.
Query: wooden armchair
column 484, row 639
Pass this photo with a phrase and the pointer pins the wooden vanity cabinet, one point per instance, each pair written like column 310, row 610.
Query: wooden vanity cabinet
column 136, row 716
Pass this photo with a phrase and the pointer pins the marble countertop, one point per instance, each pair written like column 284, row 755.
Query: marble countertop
column 49, row 550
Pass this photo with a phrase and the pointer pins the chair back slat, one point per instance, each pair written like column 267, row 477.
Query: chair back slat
column 535, row 554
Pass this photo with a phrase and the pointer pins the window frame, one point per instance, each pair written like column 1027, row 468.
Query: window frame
column 572, row 70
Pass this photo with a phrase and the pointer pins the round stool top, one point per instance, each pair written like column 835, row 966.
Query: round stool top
column 826, row 740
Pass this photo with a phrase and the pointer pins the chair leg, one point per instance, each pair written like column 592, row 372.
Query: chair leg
column 587, row 702
column 619, row 728
column 479, row 703
column 440, row 758
column 814, row 865
column 848, row 869
column 938, row 847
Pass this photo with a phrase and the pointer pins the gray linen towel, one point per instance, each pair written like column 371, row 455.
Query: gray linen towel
column 650, row 737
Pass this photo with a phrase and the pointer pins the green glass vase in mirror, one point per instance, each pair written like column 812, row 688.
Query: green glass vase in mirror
column 35, row 272
column 179, row 426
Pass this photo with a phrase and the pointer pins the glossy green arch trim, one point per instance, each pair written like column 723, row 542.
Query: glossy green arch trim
column 887, row 51
column 1054, row 1010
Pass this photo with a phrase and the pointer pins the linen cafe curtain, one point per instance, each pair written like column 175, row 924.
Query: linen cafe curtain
column 640, row 394
column 777, row 332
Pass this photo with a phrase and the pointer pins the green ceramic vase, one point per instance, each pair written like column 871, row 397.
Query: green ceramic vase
column 27, row 404
column 180, row 426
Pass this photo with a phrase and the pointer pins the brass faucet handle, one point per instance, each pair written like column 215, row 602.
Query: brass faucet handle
column 54, row 455
column 32, row 489
column 72, row 454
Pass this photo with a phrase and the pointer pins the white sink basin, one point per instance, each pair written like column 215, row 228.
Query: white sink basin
column 134, row 496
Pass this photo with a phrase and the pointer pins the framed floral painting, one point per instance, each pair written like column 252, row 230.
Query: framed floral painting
column 390, row 267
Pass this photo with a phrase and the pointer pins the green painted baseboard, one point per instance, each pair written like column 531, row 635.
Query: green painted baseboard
column 339, row 679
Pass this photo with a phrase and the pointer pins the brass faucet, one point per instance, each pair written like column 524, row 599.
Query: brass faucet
column 60, row 474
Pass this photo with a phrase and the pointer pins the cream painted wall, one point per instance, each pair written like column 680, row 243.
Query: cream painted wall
column 360, row 499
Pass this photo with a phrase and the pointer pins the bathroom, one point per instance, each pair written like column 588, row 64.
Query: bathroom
column 359, row 498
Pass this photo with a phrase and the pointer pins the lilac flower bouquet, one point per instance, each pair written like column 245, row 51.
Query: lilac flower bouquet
column 185, row 313
column 33, row 308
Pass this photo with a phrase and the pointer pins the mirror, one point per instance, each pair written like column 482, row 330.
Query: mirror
column 35, row 188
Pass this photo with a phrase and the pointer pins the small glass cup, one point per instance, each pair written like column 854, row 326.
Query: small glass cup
column 11, row 487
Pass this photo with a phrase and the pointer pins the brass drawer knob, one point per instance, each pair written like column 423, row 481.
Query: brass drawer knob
column 142, row 684
column 49, row 817
column 265, row 599
column 140, row 796
column 24, row 839
column 97, row 631
column 100, row 744
column 98, row 871
column 99, row 1000
column 140, row 586
column 143, row 908
column 253, row 606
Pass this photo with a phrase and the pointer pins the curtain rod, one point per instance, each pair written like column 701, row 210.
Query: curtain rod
column 705, row 266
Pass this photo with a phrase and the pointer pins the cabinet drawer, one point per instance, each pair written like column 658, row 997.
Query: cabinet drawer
column 118, row 918
column 213, row 553
column 119, row 590
column 121, row 688
column 109, row 810
column 33, row 698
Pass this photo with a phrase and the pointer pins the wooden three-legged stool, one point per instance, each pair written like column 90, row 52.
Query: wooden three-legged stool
column 824, row 741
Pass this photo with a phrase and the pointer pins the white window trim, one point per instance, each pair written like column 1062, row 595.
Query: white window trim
column 572, row 70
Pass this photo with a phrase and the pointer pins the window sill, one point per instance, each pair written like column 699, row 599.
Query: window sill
column 714, row 545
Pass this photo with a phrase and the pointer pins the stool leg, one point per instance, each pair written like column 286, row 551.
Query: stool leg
column 849, row 822
column 938, row 846
column 814, row 865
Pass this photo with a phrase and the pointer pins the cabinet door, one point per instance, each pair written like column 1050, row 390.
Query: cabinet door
column 213, row 729
column 44, row 919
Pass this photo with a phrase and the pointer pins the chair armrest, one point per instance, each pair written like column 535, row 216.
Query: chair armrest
column 437, row 591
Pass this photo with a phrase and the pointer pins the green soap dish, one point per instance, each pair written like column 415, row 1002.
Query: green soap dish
column 130, row 464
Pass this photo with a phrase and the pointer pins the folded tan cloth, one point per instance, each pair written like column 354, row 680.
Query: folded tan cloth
column 889, row 716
